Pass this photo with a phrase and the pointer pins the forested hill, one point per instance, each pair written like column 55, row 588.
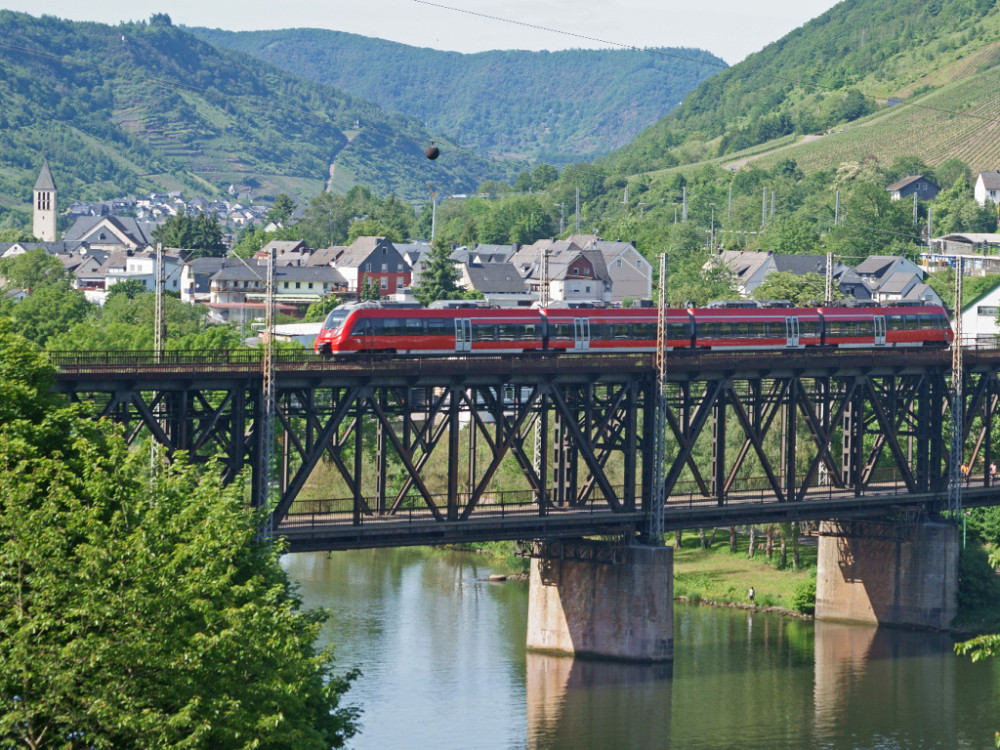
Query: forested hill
column 137, row 107
column 553, row 107
column 838, row 67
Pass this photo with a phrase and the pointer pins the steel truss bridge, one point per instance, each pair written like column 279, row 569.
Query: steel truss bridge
column 391, row 451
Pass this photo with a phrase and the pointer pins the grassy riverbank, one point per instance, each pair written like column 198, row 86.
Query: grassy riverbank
column 719, row 575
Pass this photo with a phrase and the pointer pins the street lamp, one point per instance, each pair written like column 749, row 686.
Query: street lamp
column 675, row 213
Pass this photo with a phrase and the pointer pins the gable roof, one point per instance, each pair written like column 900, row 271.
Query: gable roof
column 991, row 180
column 900, row 184
column 875, row 265
column 496, row 278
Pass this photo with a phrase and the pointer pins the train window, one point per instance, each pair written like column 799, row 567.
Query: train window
column 678, row 331
column 911, row 321
column 929, row 321
column 508, row 332
column 361, row 327
column 644, row 331
column 484, row 332
column 394, row 327
column 414, row 326
column 808, row 327
column 562, row 331
column 335, row 319
column 599, row 331
column 894, row 322
column 376, row 326
column 529, row 332
column 437, row 327
column 620, row 332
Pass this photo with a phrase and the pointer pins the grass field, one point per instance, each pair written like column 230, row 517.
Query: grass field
column 718, row 575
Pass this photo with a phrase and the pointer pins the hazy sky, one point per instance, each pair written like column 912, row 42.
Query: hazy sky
column 731, row 29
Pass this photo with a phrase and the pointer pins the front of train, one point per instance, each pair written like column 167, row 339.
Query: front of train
column 333, row 334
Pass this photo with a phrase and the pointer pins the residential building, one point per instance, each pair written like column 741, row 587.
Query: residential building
column 987, row 188
column 979, row 317
column 573, row 273
column 980, row 251
column 113, row 233
column 374, row 258
column 141, row 266
column 631, row 274
column 924, row 188
column 499, row 283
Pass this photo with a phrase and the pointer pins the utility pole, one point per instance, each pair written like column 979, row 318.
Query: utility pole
column 562, row 217
column 829, row 277
column 658, row 498
column 684, row 203
column 729, row 216
column 158, row 279
column 956, row 456
column 763, row 210
column 836, row 212
column 578, row 210
column 772, row 205
column 543, row 278
column 267, row 409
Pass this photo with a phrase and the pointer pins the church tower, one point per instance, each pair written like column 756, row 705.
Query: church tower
column 44, row 227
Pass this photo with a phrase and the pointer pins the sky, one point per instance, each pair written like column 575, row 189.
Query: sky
column 731, row 29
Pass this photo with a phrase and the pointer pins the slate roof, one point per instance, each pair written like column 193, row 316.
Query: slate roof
column 496, row 278
column 991, row 180
column 799, row 264
column 325, row 256
column 251, row 272
column 897, row 282
column 140, row 233
column 875, row 265
column 361, row 249
column 45, row 181
column 743, row 264
column 900, row 184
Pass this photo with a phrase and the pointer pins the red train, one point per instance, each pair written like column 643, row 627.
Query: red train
column 378, row 327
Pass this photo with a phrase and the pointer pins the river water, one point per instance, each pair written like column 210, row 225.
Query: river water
column 444, row 663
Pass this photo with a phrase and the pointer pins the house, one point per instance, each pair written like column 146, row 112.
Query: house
column 749, row 269
column 196, row 278
column 893, row 279
column 239, row 282
column 631, row 274
column 286, row 252
column 574, row 274
column 13, row 249
column 499, row 283
column 371, row 257
column 924, row 188
column 979, row 316
column 141, row 266
column 987, row 188
column 114, row 233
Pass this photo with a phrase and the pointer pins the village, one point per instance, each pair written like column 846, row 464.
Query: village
column 102, row 247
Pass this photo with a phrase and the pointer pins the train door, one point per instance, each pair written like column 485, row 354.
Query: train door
column 879, row 330
column 581, row 334
column 463, row 335
column 792, row 331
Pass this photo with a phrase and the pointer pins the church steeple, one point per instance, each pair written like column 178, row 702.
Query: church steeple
column 44, row 225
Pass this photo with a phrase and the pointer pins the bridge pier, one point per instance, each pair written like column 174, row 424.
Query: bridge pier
column 592, row 599
column 888, row 573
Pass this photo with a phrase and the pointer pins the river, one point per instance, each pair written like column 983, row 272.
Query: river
column 444, row 663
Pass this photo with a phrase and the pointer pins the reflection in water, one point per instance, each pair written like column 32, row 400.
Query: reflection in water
column 444, row 664
column 575, row 703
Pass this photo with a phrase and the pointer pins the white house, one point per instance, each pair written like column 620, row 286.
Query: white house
column 987, row 188
column 979, row 317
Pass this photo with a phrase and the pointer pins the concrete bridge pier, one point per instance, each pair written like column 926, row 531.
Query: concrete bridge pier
column 595, row 599
column 888, row 573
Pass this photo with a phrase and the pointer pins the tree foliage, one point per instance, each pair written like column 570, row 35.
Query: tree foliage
column 281, row 209
column 33, row 270
column 439, row 278
column 200, row 234
column 139, row 613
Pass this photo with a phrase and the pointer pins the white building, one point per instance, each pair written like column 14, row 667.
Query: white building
column 979, row 317
column 987, row 188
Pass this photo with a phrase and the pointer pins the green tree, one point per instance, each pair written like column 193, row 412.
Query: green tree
column 139, row 613
column 200, row 234
column 439, row 278
column 130, row 288
column 793, row 234
column 371, row 228
column 800, row 290
column 281, row 210
column 33, row 270
column 369, row 291
column 48, row 312
column 16, row 235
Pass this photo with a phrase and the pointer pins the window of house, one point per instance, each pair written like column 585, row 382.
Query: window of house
column 587, row 289
column 310, row 285
column 385, row 283
column 619, row 263
column 385, row 266
column 368, row 266
column 987, row 310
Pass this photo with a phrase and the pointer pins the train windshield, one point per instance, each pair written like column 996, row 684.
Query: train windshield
column 335, row 319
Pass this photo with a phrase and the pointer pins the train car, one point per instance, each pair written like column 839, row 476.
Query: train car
column 614, row 330
column 378, row 327
column 375, row 327
column 740, row 329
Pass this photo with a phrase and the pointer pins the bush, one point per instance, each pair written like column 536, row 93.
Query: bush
column 977, row 581
column 804, row 598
